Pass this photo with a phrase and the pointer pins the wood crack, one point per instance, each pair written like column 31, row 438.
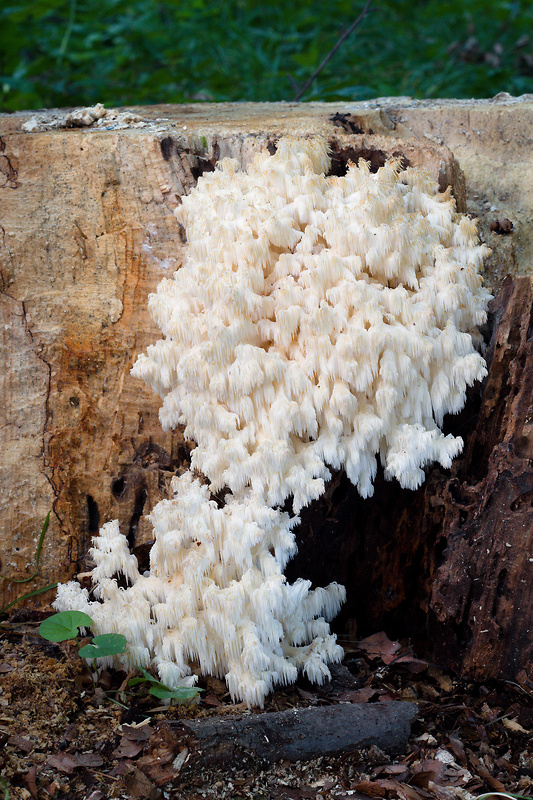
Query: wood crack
column 37, row 350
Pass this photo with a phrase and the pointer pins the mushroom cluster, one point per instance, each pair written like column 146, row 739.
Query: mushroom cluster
column 318, row 322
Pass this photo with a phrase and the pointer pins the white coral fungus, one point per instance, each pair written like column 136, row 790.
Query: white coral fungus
column 317, row 322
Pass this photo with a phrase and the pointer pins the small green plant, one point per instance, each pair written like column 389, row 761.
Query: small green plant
column 178, row 695
column 106, row 644
column 34, row 573
column 5, row 785
column 66, row 625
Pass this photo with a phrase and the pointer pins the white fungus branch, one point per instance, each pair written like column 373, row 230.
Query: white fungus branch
column 318, row 322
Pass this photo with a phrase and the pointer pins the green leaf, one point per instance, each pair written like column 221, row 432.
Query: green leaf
column 5, row 785
column 106, row 644
column 147, row 678
column 26, row 596
column 157, row 689
column 64, row 625
column 180, row 693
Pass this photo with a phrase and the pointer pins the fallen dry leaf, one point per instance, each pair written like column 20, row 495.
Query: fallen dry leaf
column 422, row 778
column 380, row 646
column 444, row 681
column 358, row 695
column 21, row 743
column 127, row 748
column 414, row 665
column 161, row 753
column 138, row 785
column 63, row 762
column 137, row 733
column 211, row 700
column 406, row 792
column 88, row 759
column 30, row 779
column 391, row 769
column 457, row 748
column 370, row 788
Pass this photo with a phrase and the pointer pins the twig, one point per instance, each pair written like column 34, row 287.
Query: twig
column 66, row 36
column 294, row 84
column 333, row 50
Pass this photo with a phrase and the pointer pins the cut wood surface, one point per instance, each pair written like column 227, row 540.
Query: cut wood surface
column 87, row 232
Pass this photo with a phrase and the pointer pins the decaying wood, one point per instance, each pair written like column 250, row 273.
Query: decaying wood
column 298, row 734
column 451, row 564
column 481, row 599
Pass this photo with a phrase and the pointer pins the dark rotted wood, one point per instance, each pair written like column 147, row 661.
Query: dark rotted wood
column 451, row 564
column 482, row 585
column 297, row 734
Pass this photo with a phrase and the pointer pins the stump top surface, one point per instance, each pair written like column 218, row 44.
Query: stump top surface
column 490, row 139
column 245, row 117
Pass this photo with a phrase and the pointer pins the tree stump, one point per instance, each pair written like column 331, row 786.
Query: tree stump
column 87, row 231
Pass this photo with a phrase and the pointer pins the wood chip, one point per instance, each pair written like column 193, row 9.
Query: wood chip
column 21, row 743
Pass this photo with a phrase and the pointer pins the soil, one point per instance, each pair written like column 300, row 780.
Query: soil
column 63, row 737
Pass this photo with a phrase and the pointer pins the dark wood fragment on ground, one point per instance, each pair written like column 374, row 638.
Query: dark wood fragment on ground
column 305, row 733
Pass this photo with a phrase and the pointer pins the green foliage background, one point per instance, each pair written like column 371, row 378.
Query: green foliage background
column 79, row 52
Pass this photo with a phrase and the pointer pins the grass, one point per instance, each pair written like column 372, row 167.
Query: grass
column 33, row 575
column 79, row 52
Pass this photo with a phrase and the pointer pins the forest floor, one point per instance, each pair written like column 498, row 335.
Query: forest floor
column 62, row 738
